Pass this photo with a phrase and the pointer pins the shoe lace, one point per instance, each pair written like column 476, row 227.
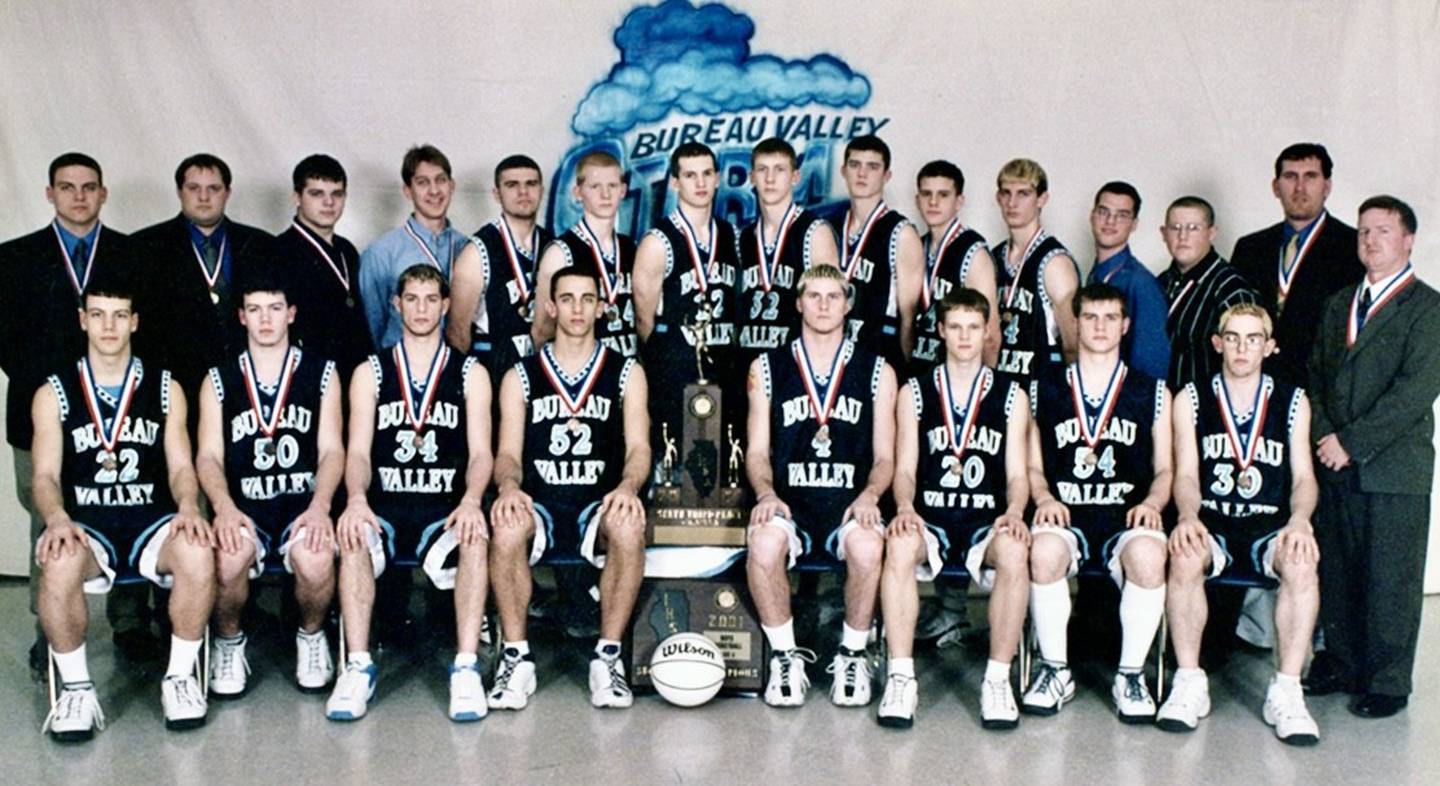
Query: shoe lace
column 788, row 657
column 187, row 692
column 1048, row 680
column 229, row 657
column 1134, row 686
column 315, row 653
column 851, row 667
column 71, row 703
column 895, row 690
column 507, row 669
column 618, row 684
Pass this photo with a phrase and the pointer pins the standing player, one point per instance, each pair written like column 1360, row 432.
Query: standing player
column 112, row 460
column 880, row 254
column 1038, row 278
column 595, row 244
column 574, row 453
column 822, row 411
column 955, row 256
column 270, row 460
column 416, row 466
column 1244, row 486
column 1100, row 475
column 959, row 478
column 685, row 284
column 492, row 290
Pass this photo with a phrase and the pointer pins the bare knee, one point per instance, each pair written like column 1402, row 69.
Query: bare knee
column 627, row 536
column 64, row 572
column 234, row 567
column 1297, row 575
column 1187, row 570
column 509, row 540
column 903, row 553
column 1008, row 556
column 864, row 549
column 1143, row 561
column 311, row 566
column 189, row 562
column 1049, row 559
column 768, row 547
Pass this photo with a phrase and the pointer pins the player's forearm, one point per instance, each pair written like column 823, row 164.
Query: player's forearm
column 1303, row 498
column 477, row 477
column 1017, row 496
column 881, row 475
column 1040, row 487
column 212, row 482
column 1187, row 496
column 637, row 468
column 903, row 490
column 1159, row 490
column 184, row 489
column 507, row 473
column 357, row 478
column 757, row 470
column 49, row 501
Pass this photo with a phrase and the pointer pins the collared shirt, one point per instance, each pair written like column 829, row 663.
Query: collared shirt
column 1146, row 346
column 386, row 258
column 71, row 241
column 1287, row 231
column 216, row 238
column 1197, row 298
column 1378, row 287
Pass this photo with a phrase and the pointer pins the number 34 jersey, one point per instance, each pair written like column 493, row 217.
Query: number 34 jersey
column 271, row 458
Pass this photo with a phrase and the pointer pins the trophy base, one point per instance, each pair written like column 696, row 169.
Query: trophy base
column 718, row 609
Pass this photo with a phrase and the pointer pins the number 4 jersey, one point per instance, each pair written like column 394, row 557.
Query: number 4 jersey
column 271, row 432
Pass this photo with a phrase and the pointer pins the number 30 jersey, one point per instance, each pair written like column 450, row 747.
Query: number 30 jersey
column 272, row 475
column 1263, row 487
column 574, row 427
column 417, row 474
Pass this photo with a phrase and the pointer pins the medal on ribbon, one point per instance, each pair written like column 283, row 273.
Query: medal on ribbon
column 419, row 242
column 1383, row 297
column 78, row 283
column 959, row 437
column 342, row 272
column 91, row 390
column 609, row 280
column 584, row 386
column 417, row 416
column 822, row 398
column 522, row 276
column 210, row 279
column 1092, row 428
column 850, row 253
column 932, row 261
column 1286, row 278
column 1244, row 446
column 269, row 425
column 768, row 261
column 1007, row 312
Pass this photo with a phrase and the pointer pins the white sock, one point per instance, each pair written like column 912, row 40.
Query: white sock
column 359, row 659
column 1140, row 613
column 607, row 648
column 995, row 671
column 904, row 667
column 1282, row 679
column 182, row 656
column 852, row 638
column 72, row 665
column 1050, row 606
column 311, row 637
column 521, row 647
column 464, row 659
column 782, row 636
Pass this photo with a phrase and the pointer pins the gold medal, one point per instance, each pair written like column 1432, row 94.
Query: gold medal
column 573, row 424
column 1246, row 482
column 214, row 297
column 418, row 440
column 268, row 448
column 1092, row 458
column 612, row 313
column 956, row 469
column 823, row 435
column 109, row 462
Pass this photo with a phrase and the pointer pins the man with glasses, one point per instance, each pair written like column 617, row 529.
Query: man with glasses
column 1199, row 286
column 1145, row 346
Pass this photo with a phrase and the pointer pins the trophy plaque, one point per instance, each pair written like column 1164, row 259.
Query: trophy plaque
column 716, row 608
column 698, row 498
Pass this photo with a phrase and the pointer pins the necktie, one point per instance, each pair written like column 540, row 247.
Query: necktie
column 210, row 254
column 80, row 259
column 1291, row 249
column 1360, row 312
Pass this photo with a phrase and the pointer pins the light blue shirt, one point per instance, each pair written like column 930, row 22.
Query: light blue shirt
column 1146, row 347
column 382, row 263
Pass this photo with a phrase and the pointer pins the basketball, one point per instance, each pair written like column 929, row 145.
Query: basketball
column 687, row 669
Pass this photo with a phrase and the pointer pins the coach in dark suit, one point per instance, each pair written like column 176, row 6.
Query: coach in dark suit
column 1298, row 263
column 190, row 262
column 1375, row 374
column 41, row 277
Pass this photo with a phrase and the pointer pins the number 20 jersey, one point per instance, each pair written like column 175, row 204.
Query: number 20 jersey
column 977, row 494
column 273, row 479
column 410, row 484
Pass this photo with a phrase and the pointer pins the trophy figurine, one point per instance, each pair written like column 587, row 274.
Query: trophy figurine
column 672, row 453
column 735, row 454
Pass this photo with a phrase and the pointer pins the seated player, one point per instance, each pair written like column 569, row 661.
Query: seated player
column 1100, row 475
column 822, row 411
column 1245, row 490
column 270, row 460
column 117, row 492
column 417, row 464
column 959, row 479
column 574, row 453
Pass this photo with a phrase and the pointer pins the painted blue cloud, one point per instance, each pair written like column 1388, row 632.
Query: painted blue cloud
column 676, row 56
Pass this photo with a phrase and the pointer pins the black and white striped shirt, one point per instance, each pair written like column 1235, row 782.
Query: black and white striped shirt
column 1197, row 298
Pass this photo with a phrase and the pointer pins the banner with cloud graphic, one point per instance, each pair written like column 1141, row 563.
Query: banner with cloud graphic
column 687, row 73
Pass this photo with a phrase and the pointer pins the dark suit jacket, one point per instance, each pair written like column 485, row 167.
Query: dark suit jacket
column 180, row 328
column 1377, row 395
column 39, row 324
column 1330, row 265
column 324, row 321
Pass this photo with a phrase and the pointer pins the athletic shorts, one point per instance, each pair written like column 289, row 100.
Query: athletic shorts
column 1244, row 548
column 127, row 554
column 802, row 541
column 430, row 547
column 1110, row 533
column 973, row 531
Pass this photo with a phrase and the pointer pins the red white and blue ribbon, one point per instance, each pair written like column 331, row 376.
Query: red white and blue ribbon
column 424, row 249
column 1092, row 429
column 1244, row 446
column 1383, row 297
column 78, row 283
column 850, row 254
column 269, row 425
column 418, row 416
column 1286, row 278
column 822, row 398
column 88, row 387
column 342, row 273
column 586, row 384
column 1014, row 285
column 609, row 280
column 513, row 253
column 768, row 262
column 959, row 438
column 932, row 261
column 702, row 271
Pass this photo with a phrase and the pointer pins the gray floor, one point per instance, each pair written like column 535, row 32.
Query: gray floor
column 278, row 735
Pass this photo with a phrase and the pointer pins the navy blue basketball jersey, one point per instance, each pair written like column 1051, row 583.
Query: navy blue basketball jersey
column 1029, row 330
column 114, row 475
column 417, row 472
column 698, row 288
column 574, row 427
column 766, row 317
column 271, row 433
column 1262, row 488
column 503, row 321
column 819, row 468
column 961, row 474
column 947, row 262
column 869, row 262
column 614, row 266
column 1107, row 478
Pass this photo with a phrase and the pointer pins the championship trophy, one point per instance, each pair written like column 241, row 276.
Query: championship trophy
column 699, row 501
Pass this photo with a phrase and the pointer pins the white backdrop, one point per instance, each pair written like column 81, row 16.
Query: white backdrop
column 1177, row 97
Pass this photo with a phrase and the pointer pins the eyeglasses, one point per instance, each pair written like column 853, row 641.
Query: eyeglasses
column 1179, row 229
column 1106, row 214
column 1250, row 341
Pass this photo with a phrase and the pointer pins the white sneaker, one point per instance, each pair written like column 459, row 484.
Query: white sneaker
column 997, row 705
column 1053, row 686
column 467, row 694
column 229, row 668
column 898, row 702
column 608, row 686
column 76, row 715
column 1189, row 702
column 353, row 691
column 1132, row 698
column 787, row 683
column 514, row 682
column 1285, row 710
column 851, row 686
column 314, row 668
column 183, row 701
